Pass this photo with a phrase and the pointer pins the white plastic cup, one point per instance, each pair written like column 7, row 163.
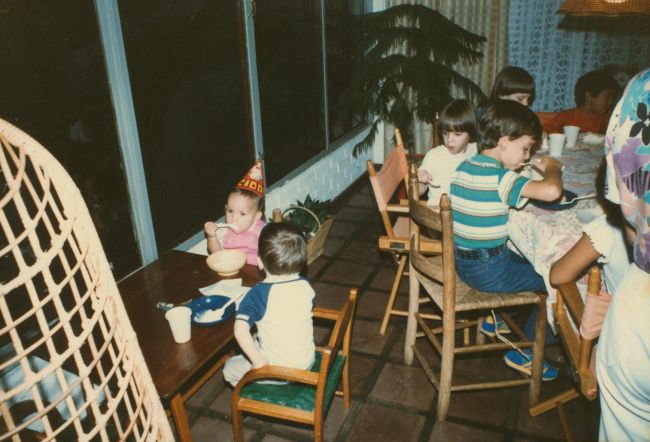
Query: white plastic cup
column 556, row 144
column 179, row 319
column 571, row 133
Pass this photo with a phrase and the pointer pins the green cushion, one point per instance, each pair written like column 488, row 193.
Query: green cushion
column 295, row 395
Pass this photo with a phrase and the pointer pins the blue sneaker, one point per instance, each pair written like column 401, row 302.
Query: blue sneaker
column 487, row 326
column 523, row 363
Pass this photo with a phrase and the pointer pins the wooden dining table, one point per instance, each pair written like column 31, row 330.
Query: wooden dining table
column 178, row 370
column 543, row 236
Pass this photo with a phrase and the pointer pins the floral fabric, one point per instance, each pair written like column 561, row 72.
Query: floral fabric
column 627, row 147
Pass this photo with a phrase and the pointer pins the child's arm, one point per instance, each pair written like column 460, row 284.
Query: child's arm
column 576, row 260
column 424, row 177
column 248, row 345
column 210, row 230
column 550, row 188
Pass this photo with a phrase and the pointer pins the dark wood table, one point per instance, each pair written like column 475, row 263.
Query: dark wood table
column 178, row 370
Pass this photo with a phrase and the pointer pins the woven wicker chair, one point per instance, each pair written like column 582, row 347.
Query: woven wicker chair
column 588, row 316
column 307, row 398
column 70, row 364
column 437, row 275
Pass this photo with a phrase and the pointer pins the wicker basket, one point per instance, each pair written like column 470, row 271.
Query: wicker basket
column 316, row 244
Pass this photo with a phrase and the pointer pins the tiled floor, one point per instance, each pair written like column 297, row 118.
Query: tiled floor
column 393, row 401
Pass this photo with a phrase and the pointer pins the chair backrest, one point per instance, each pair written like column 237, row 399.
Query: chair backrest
column 588, row 316
column 386, row 181
column 339, row 343
column 438, row 220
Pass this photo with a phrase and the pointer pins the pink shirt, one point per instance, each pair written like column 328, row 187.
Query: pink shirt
column 246, row 241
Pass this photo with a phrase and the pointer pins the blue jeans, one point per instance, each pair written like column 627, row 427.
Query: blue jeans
column 506, row 272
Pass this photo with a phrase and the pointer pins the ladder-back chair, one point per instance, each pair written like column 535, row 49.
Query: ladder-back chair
column 437, row 275
column 385, row 185
column 308, row 395
column 588, row 317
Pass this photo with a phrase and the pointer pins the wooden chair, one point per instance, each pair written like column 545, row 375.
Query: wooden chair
column 309, row 394
column 385, row 184
column 437, row 275
column 588, row 316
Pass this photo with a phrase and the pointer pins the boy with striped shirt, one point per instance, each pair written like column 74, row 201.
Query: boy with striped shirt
column 485, row 186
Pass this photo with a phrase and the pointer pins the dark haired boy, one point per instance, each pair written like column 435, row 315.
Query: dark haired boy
column 280, row 307
column 595, row 94
column 483, row 190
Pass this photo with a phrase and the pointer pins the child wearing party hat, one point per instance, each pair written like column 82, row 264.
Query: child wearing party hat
column 244, row 212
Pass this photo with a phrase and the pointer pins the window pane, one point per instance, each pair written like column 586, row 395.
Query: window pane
column 290, row 75
column 188, row 78
column 54, row 87
column 340, row 46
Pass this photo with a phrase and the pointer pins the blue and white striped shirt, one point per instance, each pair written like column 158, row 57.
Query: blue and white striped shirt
column 481, row 193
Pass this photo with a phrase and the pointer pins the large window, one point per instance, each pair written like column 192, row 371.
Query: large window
column 188, row 77
column 54, row 87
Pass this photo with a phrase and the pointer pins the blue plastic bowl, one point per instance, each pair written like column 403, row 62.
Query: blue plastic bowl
column 568, row 196
column 200, row 305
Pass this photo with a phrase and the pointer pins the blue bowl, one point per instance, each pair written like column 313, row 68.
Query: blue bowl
column 200, row 305
column 568, row 196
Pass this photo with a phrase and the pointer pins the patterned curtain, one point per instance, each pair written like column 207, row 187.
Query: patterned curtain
column 557, row 49
column 488, row 18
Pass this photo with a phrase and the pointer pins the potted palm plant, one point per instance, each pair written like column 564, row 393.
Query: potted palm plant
column 405, row 70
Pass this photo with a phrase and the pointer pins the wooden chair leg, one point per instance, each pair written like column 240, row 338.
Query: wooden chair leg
column 318, row 430
column 237, row 424
column 346, row 383
column 411, row 323
column 447, row 363
column 538, row 353
column 549, row 404
column 393, row 295
column 480, row 337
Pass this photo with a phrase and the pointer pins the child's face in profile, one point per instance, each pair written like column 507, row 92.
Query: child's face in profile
column 602, row 102
column 456, row 142
column 515, row 151
column 241, row 212
column 519, row 97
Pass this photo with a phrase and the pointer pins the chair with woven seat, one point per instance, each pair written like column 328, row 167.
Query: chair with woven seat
column 437, row 276
column 385, row 185
column 309, row 393
column 588, row 317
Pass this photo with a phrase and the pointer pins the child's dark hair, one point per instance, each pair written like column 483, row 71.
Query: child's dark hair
column 593, row 82
column 513, row 80
column 282, row 248
column 259, row 200
column 507, row 118
column 458, row 116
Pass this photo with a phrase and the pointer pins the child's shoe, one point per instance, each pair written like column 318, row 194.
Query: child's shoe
column 523, row 363
column 487, row 326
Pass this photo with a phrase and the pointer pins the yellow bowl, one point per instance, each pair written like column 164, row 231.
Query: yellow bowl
column 226, row 262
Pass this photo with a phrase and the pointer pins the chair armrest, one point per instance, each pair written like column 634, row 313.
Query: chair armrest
column 325, row 313
column 573, row 301
column 397, row 208
column 281, row 373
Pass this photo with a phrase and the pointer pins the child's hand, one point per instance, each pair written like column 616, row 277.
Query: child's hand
column 210, row 229
column 547, row 163
column 424, row 176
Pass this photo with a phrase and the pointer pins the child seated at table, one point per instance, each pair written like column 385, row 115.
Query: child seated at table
column 515, row 84
column 280, row 307
column 483, row 190
column 594, row 94
column 244, row 212
column 458, row 131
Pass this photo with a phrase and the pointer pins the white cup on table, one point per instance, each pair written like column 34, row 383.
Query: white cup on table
column 180, row 322
column 556, row 144
column 571, row 133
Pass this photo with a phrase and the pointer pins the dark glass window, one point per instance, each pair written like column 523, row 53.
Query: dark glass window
column 54, row 87
column 290, row 75
column 339, row 28
column 188, row 77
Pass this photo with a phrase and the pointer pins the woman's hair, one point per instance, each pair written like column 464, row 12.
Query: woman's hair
column 507, row 118
column 282, row 248
column 593, row 82
column 612, row 210
column 513, row 80
column 458, row 116
column 259, row 200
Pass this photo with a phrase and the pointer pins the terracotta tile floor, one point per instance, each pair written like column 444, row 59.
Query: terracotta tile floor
column 393, row 401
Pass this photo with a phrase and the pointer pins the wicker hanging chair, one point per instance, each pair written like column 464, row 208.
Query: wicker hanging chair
column 70, row 364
